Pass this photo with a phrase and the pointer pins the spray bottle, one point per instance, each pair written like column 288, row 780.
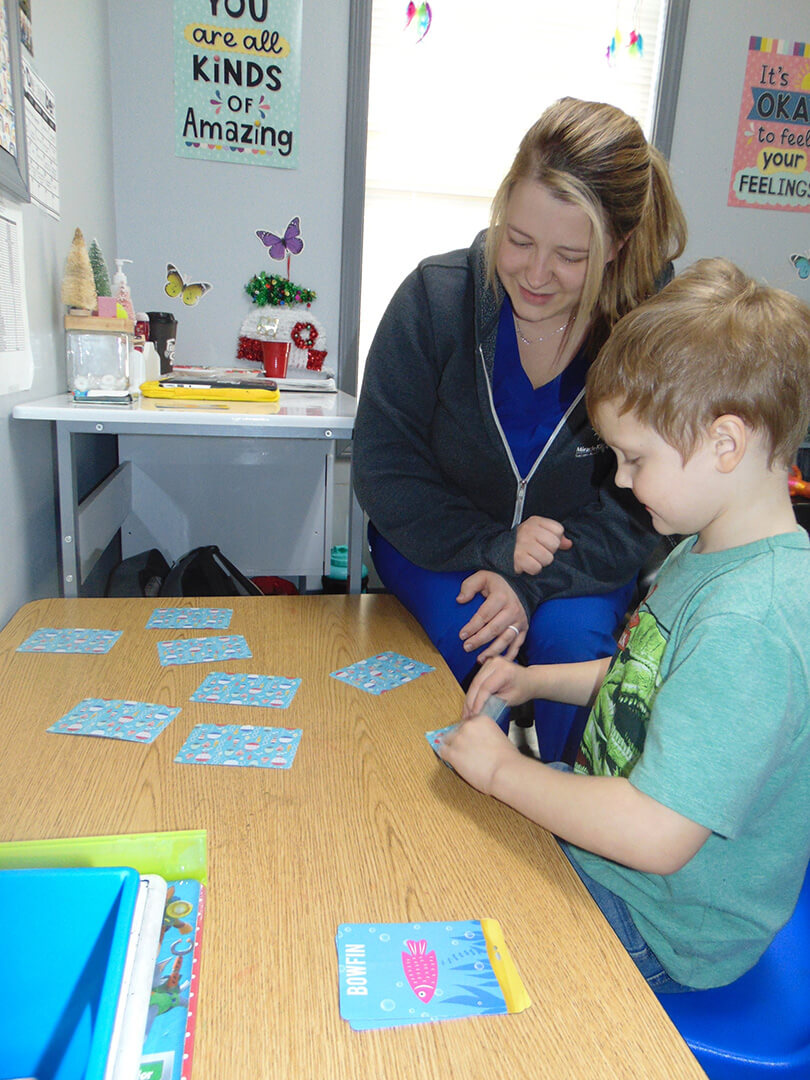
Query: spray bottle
column 120, row 288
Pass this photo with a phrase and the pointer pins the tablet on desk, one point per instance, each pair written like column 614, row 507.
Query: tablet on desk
column 227, row 380
column 210, row 391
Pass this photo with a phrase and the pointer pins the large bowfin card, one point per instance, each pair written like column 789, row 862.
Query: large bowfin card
column 411, row 973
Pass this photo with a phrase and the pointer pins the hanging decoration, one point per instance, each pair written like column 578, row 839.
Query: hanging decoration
column 615, row 43
column 635, row 43
column 636, row 46
column 421, row 16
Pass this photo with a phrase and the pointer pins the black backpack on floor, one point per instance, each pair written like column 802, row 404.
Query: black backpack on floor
column 206, row 572
column 202, row 572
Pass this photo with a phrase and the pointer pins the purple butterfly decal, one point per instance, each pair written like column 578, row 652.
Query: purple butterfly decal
column 279, row 246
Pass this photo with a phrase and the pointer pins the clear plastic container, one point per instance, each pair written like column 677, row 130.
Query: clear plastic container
column 98, row 358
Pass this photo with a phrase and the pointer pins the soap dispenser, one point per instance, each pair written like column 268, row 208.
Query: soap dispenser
column 120, row 288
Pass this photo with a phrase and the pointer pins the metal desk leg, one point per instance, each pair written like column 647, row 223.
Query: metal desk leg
column 68, row 510
column 356, row 531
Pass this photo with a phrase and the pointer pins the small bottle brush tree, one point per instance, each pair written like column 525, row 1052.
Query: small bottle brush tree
column 78, row 285
column 101, row 275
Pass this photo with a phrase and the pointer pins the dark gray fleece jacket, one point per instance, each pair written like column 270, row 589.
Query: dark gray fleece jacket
column 434, row 472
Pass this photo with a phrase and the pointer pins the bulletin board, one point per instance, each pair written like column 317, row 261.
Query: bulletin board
column 13, row 161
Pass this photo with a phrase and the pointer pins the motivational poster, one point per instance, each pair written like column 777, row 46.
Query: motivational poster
column 770, row 170
column 237, row 80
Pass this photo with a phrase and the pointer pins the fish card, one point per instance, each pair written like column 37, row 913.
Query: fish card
column 70, row 640
column 203, row 650
column 204, row 618
column 226, row 688
column 393, row 974
column 385, row 671
column 230, row 744
column 132, row 721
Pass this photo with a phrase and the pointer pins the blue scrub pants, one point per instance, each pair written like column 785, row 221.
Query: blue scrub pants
column 560, row 631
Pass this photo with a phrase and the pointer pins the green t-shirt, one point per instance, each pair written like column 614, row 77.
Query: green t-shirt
column 706, row 708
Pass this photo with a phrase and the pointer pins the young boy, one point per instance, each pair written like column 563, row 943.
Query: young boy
column 688, row 812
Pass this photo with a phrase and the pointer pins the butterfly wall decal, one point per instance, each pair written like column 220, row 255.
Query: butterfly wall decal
column 291, row 243
column 189, row 291
column 802, row 264
column 279, row 246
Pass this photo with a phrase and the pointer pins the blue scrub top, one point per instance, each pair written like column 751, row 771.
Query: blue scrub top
column 529, row 416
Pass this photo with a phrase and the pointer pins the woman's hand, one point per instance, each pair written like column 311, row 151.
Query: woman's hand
column 496, row 620
column 511, row 682
column 536, row 543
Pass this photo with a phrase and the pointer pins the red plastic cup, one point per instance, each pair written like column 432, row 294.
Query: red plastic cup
column 275, row 355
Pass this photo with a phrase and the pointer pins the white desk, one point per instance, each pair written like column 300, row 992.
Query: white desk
column 268, row 504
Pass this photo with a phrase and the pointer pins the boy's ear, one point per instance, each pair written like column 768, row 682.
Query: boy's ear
column 729, row 437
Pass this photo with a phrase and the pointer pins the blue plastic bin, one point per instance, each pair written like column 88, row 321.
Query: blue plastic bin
column 63, row 941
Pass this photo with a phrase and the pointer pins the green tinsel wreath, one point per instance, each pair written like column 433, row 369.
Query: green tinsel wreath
column 277, row 291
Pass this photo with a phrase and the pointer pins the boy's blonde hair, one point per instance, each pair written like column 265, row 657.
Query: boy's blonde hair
column 596, row 157
column 713, row 342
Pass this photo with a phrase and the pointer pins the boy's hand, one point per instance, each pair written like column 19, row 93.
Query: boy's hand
column 498, row 676
column 536, row 543
column 476, row 750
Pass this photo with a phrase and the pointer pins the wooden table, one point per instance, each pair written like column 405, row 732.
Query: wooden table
column 366, row 826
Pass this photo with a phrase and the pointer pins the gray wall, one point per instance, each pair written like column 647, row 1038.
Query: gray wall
column 759, row 241
column 70, row 42
column 203, row 215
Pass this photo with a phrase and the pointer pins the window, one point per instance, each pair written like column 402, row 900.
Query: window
column 445, row 115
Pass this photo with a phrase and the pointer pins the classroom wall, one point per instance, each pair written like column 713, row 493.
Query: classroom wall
column 121, row 183
column 759, row 241
column 70, row 45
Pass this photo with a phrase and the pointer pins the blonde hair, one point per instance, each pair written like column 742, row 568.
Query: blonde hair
column 713, row 342
column 595, row 156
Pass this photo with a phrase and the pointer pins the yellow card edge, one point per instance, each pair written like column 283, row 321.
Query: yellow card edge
column 514, row 991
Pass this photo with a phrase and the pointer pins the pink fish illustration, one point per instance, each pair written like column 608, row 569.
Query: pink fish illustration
column 421, row 970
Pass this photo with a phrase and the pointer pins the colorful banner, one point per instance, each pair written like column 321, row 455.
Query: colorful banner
column 237, row 80
column 770, row 170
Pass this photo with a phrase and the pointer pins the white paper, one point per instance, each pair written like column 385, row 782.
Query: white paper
column 40, row 135
column 16, row 362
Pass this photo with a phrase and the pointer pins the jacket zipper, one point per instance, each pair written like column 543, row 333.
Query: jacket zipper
column 523, row 482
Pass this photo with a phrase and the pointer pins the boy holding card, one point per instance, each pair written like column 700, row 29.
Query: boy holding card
column 687, row 814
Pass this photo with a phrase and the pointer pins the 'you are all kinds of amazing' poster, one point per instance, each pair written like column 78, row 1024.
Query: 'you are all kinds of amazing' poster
column 237, row 80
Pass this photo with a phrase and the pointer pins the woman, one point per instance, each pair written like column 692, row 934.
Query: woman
column 493, row 513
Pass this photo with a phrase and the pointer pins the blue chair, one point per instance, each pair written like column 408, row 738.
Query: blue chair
column 760, row 1024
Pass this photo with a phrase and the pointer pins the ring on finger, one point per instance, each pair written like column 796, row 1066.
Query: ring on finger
column 512, row 626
